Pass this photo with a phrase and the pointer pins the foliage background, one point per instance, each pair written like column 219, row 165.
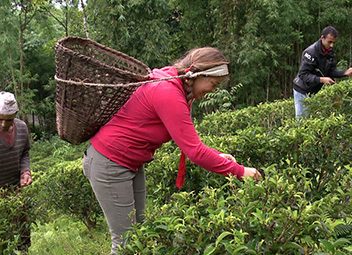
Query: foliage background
column 262, row 39
column 307, row 164
column 302, row 206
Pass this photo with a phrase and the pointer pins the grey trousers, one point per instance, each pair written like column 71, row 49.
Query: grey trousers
column 120, row 192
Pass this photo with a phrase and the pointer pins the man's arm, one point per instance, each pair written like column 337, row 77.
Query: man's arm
column 337, row 73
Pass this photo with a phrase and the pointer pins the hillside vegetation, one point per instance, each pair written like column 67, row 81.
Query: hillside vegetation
column 302, row 205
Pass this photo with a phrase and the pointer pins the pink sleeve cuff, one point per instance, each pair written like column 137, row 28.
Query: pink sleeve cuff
column 239, row 172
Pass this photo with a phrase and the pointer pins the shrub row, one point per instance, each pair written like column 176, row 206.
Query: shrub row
column 321, row 145
column 266, row 115
column 307, row 175
column 65, row 190
column 15, row 218
column 274, row 216
column 335, row 99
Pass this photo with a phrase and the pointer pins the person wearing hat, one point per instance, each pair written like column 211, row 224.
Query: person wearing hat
column 157, row 112
column 14, row 154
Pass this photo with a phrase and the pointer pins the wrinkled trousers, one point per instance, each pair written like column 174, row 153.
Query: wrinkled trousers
column 120, row 192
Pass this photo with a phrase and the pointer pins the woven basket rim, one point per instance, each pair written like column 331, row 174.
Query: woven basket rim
column 61, row 44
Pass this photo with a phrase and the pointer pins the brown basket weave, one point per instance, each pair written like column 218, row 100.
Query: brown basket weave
column 92, row 83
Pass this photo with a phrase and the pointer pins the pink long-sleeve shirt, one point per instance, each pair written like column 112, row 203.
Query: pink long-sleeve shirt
column 156, row 113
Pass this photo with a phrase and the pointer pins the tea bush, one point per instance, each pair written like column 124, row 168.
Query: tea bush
column 301, row 207
column 266, row 115
column 59, row 186
column 64, row 189
column 45, row 154
column 321, row 145
column 274, row 216
column 15, row 205
column 335, row 99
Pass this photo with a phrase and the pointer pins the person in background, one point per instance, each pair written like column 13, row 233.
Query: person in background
column 156, row 113
column 318, row 68
column 14, row 156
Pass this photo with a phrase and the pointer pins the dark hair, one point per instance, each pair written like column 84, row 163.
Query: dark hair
column 329, row 30
column 200, row 59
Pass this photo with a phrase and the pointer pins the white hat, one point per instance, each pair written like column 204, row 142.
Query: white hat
column 8, row 104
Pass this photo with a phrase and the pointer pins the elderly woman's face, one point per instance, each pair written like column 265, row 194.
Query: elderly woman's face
column 5, row 123
column 203, row 85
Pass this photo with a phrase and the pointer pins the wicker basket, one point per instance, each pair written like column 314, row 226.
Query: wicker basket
column 92, row 83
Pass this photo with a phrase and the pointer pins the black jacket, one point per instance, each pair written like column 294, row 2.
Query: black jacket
column 315, row 64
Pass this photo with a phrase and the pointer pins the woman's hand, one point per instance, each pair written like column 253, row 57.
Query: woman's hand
column 248, row 171
column 252, row 172
column 228, row 156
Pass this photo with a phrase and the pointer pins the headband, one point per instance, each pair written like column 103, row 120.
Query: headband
column 217, row 71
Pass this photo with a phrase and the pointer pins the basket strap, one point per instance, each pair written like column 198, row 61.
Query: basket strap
column 121, row 84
